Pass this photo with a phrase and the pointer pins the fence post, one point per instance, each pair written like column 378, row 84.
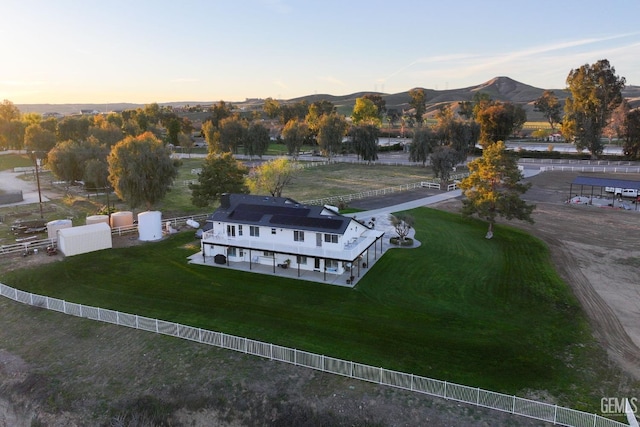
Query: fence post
column 513, row 406
column 478, row 397
column 445, row 389
column 80, row 309
column 555, row 413
column 64, row 306
column 380, row 382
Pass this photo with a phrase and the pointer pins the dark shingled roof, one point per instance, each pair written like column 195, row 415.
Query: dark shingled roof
column 606, row 182
column 279, row 212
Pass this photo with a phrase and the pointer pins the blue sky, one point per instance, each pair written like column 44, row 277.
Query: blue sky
column 140, row 51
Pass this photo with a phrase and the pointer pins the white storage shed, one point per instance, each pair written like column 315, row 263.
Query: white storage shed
column 83, row 239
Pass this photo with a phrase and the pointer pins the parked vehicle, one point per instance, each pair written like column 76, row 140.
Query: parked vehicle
column 622, row 192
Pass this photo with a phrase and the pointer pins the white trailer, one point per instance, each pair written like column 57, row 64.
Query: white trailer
column 622, row 192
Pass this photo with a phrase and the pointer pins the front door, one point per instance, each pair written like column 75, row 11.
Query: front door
column 231, row 230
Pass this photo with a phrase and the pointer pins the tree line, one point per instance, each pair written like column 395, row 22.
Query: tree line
column 130, row 151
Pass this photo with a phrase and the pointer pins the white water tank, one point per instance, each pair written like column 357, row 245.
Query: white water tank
column 97, row 219
column 55, row 225
column 121, row 219
column 150, row 226
column 193, row 224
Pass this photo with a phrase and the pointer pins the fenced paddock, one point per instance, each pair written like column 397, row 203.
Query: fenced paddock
column 471, row 395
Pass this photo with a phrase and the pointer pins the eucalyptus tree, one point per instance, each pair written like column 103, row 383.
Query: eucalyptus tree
column 595, row 92
column 141, row 170
column 332, row 129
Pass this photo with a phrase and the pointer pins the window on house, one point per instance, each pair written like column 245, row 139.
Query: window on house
column 301, row 259
column 254, row 231
column 268, row 253
column 231, row 252
column 231, row 230
column 298, row 236
column 331, row 238
column 331, row 263
column 239, row 230
column 273, row 231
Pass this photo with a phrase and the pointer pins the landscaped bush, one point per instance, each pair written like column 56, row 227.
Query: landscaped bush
column 408, row 241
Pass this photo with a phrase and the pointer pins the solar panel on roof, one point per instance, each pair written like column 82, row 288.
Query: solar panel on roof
column 246, row 216
column 273, row 209
column 325, row 223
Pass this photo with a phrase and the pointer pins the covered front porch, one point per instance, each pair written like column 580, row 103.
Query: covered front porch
column 319, row 270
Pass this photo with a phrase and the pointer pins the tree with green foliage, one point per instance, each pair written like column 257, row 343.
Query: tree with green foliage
column 68, row 159
column 272, row 177
column 493, row 188
column 8, row 111
column 294, row 134
column 419, row 103
column 75, row 128
column 365, row 141
column 596, row 91
column 271, row 108
column 257, row 140
column 499, row 120
column 141, row 170
column 443, row 159
column 231, row 134
column 379, row 102
column 12, row 133
column 107, row 133
column 219, row 112
column 365, row 112
column 186, row 142
column 631, row 146
column 317, row 110
column 39, row 140
column 550, row 107
column 422, row 145
column 331, row 131
column 221, row 173
column 298, row 110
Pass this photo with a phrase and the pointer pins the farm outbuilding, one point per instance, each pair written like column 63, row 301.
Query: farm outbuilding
column 83, row 239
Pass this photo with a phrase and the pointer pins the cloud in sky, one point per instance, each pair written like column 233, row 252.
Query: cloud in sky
column 553, row 58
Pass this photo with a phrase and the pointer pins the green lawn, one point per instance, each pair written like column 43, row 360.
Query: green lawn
column 486, row 313
column 10, row 161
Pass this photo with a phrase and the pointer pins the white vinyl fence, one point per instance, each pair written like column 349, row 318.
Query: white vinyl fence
column 471, row 395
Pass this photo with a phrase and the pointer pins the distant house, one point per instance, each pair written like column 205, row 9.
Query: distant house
column 283, row 233
column 89, row 112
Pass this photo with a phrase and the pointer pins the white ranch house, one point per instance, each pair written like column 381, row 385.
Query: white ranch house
column 283, row 233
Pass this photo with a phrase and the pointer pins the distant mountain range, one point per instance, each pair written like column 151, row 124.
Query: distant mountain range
column 499, row 88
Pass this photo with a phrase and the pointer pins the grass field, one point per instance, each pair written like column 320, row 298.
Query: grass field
column 491, row 314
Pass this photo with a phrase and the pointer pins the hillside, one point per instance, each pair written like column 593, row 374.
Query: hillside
column 499, row 88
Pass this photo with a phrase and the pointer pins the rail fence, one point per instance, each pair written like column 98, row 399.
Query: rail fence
column 334, row 200
column 451, row 391
column 608, row 169
column 581, row 162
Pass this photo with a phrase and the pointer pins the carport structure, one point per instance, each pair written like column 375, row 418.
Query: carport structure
column 593, row 182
